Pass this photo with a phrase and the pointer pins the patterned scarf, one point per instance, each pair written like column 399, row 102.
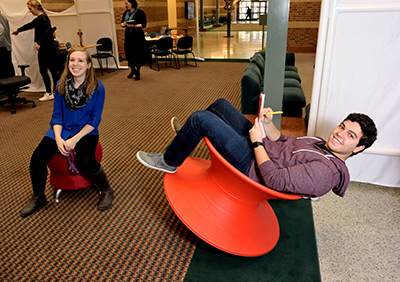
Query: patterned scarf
column 75, row 98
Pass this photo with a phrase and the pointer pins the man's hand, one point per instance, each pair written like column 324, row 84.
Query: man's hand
column 255, row 132
column 265, row 117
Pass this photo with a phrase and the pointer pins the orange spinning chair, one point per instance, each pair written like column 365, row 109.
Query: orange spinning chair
column 62, row 179
column 224, row 207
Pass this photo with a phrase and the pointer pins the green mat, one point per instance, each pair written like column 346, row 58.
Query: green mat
column 294, row 258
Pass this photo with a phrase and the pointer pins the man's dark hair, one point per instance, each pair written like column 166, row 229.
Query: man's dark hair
column 134, row 3
column 368, row 129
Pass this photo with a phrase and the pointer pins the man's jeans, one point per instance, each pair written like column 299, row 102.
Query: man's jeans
column 224, row 126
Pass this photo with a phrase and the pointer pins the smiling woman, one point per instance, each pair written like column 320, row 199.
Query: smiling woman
column 78, row 106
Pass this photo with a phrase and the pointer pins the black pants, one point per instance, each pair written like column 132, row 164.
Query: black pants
column 47, row 61
column 85, row 154
column 7, row 67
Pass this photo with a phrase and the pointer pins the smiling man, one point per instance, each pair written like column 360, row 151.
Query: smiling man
column 306, row 166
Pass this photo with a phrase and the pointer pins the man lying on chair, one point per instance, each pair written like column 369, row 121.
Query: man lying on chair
column 306, row 166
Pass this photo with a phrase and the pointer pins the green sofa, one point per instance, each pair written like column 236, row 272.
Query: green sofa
column 253, row 84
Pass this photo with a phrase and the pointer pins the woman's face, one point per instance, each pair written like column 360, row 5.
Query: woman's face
column 34, row 11
column 128, row 5
column 78, row 64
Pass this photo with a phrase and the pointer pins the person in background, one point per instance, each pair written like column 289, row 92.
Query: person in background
column 74, row 125
column 44, row 45
column 7, row 68
column 61, row 54
column 134, row 20
column 306, row 166
column 248, row 13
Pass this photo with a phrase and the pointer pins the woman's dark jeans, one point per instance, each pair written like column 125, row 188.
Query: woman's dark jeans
column 85, row 153
column 224, row 126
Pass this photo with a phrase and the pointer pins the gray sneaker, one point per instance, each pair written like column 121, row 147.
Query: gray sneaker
column 155, row 161
column 175, row 125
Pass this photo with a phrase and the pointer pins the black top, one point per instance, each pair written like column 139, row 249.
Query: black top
column 43, row 31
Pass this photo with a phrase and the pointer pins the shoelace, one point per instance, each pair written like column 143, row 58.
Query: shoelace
column 71, row 166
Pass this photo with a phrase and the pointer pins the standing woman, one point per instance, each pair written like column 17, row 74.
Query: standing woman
column 44, row 46
column 78, row 105
column 134, row 20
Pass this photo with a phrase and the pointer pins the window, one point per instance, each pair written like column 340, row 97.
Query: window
column 257, row 8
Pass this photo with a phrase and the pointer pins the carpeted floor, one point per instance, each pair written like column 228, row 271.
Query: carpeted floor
column 140, row 238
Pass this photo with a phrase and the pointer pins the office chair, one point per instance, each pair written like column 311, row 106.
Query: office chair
column 163, row 49
column 104, row 51
column 11, row 86
column 184, row 47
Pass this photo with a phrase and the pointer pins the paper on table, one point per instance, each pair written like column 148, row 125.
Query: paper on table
column 260, row 107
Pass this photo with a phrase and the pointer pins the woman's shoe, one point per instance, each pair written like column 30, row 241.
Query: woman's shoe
column 131, row 73
column 47, row 97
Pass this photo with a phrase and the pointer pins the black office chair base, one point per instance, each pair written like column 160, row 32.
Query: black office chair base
column 14, row 100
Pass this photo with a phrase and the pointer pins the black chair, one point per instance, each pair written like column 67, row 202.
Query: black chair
column 104, row 51
column 163, row 49
column 11, row 86
column 184, row 47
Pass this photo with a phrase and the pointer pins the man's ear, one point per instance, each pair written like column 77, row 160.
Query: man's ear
column 358, row 149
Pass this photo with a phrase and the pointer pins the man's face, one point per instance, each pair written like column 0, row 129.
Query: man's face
column 344, row 139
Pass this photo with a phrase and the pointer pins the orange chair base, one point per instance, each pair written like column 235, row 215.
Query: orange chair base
column 224, row 207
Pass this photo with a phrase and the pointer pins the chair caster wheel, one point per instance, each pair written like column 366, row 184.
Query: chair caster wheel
column 34, row 105
column 13, row 111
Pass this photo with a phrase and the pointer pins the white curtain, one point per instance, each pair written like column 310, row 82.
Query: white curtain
column 358, row 70
column 94, row 17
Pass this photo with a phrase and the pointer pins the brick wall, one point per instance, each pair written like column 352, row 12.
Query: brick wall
column 303, row 26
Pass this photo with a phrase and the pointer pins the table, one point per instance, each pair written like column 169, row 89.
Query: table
column 185, row 29
column 87, row 46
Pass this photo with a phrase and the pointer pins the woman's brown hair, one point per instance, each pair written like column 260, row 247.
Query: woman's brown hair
column 91, row 81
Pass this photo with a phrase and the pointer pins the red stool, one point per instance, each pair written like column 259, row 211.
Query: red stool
column 62, row 179
column 224, row 207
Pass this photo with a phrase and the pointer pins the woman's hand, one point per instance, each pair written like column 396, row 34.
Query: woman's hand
column 255, row 132
column 124, row 24
column 37, row 47
column 15, row 32
column 71, row 143
column 62, row 146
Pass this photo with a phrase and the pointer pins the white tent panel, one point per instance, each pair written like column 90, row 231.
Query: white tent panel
column 23, row 48
column 94, row 28
column 94, row 17
column 67, row 27
column 359, row 72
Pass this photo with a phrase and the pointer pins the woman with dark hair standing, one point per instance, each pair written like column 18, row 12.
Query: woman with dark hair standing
column 74, row 125
column 134, row 20
column 44, row 46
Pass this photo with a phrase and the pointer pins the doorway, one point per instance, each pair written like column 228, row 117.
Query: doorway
column 257, row 8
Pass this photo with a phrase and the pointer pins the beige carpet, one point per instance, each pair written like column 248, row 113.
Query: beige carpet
column 140, row 238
